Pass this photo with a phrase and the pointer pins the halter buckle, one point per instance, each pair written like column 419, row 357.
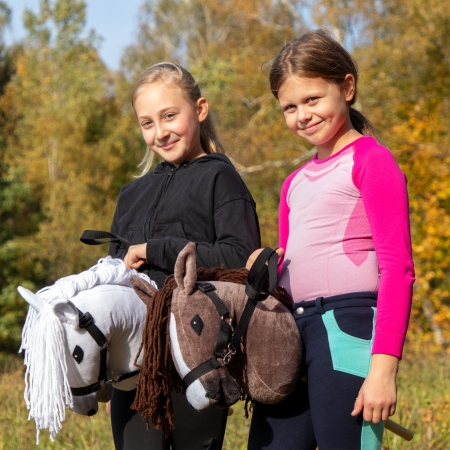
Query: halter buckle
column 114, row 380
column 85, row 320
column 229, row 355
column 206, row 287
column 227, row 319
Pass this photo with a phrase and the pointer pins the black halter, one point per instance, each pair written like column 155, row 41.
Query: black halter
column 228, row 339
column 86, row 321
column 93, row 237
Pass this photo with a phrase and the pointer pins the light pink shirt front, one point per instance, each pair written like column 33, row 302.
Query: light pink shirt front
column 344, row 225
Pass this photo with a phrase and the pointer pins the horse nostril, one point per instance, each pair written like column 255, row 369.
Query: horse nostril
column 92, row 412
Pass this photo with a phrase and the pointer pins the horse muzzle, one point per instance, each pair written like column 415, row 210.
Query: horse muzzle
column 87, row 405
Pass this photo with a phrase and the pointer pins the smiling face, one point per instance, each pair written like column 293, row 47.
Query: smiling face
column 317, row 111
column 170, row 124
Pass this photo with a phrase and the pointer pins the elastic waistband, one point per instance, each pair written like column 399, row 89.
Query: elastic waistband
column 322, row 304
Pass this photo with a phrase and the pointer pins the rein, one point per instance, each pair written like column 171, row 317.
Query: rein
column 95, row 237
column 228, row 339
column 86, row 321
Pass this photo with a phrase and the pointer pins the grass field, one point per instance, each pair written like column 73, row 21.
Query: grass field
column 424, row 407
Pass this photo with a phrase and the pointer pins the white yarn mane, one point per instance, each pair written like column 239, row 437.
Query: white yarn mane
column 47, row 391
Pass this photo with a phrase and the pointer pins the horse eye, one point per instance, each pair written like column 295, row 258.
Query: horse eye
column 78, row 354
column 197, row 324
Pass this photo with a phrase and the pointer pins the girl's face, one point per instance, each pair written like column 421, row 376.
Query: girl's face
column 317, row 111
column 170, row 124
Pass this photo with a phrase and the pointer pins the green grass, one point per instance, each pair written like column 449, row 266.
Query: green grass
column 423, row 407
column 17, row 433
column 423, row 402
column 237, row 429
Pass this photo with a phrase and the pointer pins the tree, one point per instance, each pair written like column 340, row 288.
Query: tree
column 60, row 117
column 402, row 48
column 224, row 45
column 405, row 90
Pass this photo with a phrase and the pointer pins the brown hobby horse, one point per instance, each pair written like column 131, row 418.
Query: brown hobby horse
column 201, row 318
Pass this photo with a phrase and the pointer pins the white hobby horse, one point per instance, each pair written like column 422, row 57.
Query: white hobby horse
column 81, row 335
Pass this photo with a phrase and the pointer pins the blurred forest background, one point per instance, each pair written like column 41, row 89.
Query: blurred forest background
column 69, row 139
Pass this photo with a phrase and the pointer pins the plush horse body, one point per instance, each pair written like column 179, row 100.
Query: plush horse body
column 264, row 367
column 80, row 335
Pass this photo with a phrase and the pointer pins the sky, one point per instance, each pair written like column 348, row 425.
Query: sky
column 114, row 20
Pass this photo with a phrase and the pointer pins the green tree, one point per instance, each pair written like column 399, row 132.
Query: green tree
column 16, row 208
column 60, row 128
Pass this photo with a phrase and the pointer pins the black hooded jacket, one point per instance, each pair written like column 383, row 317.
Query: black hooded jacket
column 204, row 201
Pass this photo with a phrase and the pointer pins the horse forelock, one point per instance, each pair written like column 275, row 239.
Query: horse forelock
column 47, row 389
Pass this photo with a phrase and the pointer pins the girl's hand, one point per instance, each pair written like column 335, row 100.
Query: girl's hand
column 377, row 397
column 136, row 256
column 252, row 258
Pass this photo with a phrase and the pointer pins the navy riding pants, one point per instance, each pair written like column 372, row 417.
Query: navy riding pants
column 337, row 334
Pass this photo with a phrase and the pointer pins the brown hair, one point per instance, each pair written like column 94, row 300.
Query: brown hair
column 171, row 73
column 316, row 54
column 158, row 377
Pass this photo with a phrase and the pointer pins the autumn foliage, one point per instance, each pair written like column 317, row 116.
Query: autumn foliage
column 69, row 139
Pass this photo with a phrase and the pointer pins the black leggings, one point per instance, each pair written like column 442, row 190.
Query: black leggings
column 192, row 430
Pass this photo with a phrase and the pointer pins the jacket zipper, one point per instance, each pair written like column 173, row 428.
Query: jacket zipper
column 167, row 181
column 166, row 185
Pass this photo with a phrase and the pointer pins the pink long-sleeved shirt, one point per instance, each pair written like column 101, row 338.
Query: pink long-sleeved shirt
column 344, row 225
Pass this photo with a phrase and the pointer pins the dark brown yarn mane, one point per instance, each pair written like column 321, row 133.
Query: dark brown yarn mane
column 158, row 377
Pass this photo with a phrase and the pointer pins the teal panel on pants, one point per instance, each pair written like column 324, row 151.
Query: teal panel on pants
column 372, row 435
column 349, row 354
column 352, row 355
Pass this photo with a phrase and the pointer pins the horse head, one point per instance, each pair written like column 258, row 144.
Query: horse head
column 63, row 355
column 193, row 326
column 228, row 338
column 204, row 317
column 81, row 335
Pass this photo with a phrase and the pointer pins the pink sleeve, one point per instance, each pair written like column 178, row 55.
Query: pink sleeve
column 283, row 216
column 384, row 194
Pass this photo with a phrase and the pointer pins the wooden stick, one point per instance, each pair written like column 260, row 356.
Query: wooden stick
column 389, row 424
column 398, row 429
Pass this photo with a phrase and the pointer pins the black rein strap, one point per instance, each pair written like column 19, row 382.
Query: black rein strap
column 93, row 237
column 255, row 284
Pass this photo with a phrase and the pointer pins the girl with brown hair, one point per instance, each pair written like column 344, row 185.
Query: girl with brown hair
column 344, row 229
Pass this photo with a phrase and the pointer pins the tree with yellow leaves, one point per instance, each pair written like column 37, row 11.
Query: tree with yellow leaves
column 406, row 91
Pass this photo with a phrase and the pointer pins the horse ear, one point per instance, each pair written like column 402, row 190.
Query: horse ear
column 185, row 272
column 67, row 312
column 32, row 299
column 64, row 310
column 144, row 290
